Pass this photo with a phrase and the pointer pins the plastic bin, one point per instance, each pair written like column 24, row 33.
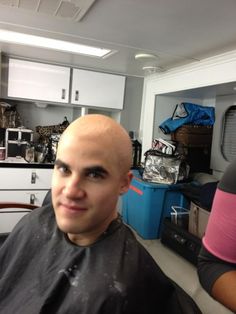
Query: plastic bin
column 180, row 216
column 145, row 205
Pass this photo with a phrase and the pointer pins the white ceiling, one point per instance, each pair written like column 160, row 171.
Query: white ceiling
column 178, row 31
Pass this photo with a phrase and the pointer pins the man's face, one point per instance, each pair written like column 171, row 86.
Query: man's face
column 86, row 184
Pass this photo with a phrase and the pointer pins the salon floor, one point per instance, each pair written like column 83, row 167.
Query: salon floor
column 183, row 273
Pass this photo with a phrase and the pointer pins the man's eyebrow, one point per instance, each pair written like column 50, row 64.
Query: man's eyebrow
column 99, row 169
column 60, row 163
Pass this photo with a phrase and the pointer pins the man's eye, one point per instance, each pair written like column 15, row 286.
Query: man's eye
column 63, row 169
column 95, row 175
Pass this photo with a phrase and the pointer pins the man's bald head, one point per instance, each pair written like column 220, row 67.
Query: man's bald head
column 108, row 132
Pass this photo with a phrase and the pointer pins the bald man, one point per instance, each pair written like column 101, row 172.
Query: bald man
column 77, row 256
column 91, row 171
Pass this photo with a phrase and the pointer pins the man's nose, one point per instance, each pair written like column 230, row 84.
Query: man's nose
column 74, row 188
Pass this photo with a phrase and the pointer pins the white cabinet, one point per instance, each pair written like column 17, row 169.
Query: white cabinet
column 96, row 89
column 38, row 81
column 52, row 83
column 28, row 185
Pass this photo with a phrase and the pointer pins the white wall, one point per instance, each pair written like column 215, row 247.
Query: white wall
column 33, row 116
column 209, row 102
column 130, row 116
column 208, row 72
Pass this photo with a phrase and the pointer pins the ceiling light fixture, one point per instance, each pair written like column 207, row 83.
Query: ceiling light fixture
column 145, row 56
column 61, row 45
column 152, row 69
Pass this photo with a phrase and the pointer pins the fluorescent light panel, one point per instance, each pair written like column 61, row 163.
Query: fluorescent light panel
column 43, row 42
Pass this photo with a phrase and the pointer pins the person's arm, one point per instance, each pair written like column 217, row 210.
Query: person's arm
column 218, row 278
column 219, row 267
column 224, row 290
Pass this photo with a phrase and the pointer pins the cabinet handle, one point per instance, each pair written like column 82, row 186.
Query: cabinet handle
column 32, row 199
column 76, row 95
column 63, row 93
column 33, row 177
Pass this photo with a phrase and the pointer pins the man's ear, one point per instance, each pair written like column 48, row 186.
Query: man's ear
column 126, row 182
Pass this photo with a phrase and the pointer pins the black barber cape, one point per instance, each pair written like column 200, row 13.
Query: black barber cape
column 41, row 271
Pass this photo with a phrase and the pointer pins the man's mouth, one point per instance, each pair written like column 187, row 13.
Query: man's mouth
column 74, row 208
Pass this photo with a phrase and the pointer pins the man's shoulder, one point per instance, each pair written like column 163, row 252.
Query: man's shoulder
column 132, row 244
column 29, row 233
column 35, row 220
column 41, row 214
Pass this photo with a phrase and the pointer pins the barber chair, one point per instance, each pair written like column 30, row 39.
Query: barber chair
column 12, row 212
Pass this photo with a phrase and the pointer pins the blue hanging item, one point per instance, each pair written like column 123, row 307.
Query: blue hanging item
column 188, row 113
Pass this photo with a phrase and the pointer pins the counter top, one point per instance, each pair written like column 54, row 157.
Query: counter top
column 22, row 163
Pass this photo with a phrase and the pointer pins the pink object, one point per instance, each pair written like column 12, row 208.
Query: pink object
column 220, row 236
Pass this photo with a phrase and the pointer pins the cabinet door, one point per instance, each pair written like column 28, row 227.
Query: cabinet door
column 10, row 216
column 34, row 197
column 96, row 89
column 38, row 81
column 25, row 179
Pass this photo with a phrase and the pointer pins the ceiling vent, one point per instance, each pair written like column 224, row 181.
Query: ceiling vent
column 67, row 9
column 11, row 3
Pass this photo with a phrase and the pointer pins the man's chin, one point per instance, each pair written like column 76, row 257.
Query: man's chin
column 67, row 227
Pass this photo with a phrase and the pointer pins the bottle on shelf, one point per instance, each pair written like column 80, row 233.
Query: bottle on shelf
column 137, row 150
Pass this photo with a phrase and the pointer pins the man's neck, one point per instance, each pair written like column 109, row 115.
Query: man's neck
column 88, row 238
